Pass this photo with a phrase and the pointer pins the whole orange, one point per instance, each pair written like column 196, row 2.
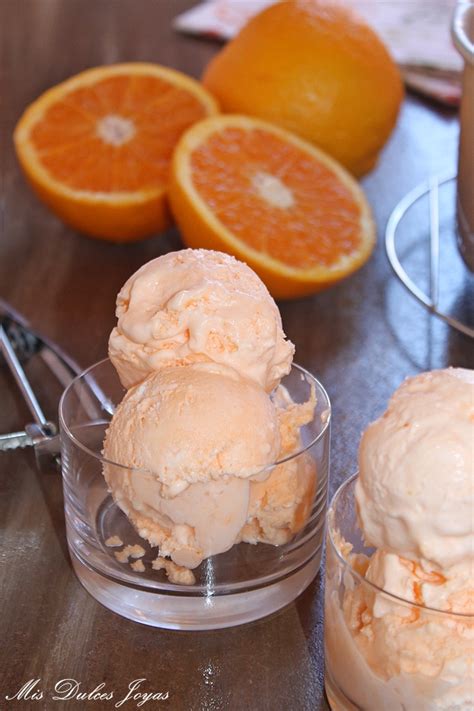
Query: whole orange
column 317, row 69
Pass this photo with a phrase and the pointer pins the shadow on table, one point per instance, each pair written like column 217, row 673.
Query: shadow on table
column 48, row 477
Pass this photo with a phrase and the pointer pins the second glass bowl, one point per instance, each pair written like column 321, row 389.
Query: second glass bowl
column 381, row 651
column 244, row 584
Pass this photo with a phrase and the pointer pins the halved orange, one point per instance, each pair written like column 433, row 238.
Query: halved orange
column 246, row 187
column 97, row 147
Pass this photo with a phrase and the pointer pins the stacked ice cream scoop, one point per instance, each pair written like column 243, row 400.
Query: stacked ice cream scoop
column 200, row 347
column 415, row 501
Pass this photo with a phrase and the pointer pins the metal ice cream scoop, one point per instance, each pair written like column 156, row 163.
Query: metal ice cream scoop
column 18, row 343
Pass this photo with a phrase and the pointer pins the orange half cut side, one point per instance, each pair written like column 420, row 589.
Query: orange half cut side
column 97, row 148
column 297, row 217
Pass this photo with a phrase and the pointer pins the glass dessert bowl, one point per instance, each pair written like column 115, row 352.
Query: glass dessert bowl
column 383, row 651
column 120, row 569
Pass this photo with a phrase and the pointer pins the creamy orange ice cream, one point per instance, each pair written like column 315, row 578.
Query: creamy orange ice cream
column 280, row 505
column 189, row 438
column 198, row 305
column 192, row 490
column 451, row 591
column 415, row 492
column 404, row 634
column 395, row 656
column 201, row 432
column 402, row 639
column 194, row 424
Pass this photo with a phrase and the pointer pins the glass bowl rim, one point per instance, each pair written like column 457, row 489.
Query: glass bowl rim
column 307, row 375
column 360, row 578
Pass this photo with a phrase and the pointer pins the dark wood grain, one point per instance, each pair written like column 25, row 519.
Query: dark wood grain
column 361, row 338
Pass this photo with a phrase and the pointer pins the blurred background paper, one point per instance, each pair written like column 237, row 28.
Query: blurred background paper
column 417, row 33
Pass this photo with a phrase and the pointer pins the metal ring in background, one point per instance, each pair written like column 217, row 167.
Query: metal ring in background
column 429, row 187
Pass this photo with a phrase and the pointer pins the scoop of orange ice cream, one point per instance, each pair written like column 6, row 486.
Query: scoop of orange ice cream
column 194, row 424
column 198, row 305
column 185, row 443
column 415, row 492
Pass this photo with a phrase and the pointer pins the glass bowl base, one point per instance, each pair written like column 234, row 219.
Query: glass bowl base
column 185, row 612
column 336, row 699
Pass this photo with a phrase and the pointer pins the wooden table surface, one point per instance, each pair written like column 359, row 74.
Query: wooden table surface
column 360, row 338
